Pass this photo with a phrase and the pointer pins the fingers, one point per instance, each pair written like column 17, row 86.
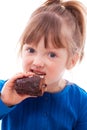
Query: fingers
column 8, row 93
column 21, row 75
column 11, row 82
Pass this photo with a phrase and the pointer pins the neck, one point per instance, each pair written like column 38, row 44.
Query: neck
column 57, row 86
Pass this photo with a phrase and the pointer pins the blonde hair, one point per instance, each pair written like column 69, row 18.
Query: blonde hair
column 61, row 21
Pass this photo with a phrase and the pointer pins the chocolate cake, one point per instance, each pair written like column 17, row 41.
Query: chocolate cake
column 33, row 86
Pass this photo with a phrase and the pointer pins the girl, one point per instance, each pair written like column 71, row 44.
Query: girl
column 52, row 42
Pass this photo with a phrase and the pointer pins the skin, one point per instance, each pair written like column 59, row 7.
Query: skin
column 50, row 61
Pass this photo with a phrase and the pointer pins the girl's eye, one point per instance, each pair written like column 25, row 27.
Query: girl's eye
column 52, row 54
column 31, row 50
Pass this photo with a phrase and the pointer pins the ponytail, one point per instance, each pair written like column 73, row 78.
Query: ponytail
column 79, row 12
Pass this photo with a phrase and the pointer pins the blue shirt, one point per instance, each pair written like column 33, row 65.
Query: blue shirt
column 65, row 110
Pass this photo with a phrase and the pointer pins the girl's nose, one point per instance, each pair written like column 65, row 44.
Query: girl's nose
column 38, row 62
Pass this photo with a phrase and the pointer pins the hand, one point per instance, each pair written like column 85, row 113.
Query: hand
column 9, row 95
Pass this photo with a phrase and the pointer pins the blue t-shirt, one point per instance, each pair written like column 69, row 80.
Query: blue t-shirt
column 65, row 110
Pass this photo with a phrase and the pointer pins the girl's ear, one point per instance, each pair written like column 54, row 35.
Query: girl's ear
column 72, row 61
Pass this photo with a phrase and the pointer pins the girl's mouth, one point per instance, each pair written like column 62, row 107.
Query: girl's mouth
column 38, row 72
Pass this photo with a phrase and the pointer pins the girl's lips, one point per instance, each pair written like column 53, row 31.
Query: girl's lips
column 38, row 72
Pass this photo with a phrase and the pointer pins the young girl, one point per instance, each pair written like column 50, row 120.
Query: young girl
column 52, row 42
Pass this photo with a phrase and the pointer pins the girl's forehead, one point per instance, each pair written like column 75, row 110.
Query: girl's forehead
column 46, row 44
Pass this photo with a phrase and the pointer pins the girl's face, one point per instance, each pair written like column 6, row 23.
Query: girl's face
column 41, row 60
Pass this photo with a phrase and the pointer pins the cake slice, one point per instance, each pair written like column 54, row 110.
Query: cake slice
column 34, row 85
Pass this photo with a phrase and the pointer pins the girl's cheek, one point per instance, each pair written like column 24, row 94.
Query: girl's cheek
column 26, row 62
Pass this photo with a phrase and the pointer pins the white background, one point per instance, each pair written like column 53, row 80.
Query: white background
column 14, row 15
